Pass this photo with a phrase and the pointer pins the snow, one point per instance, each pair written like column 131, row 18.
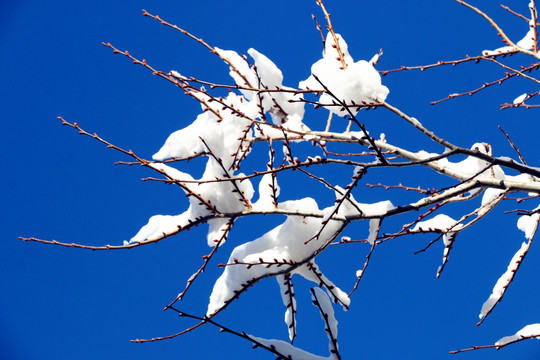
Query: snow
column 532, row 330
column 287, row 295
column 521, row 177
column 242, row 66
column 499, row 51
column 266, row 194
column 374, row 225
column 468, row 167
column 185, row 142
column 375, row 211
column 332, row 290
column 504, row 280
column 519, row 99
column 375, row 58
column 223, row 131
column 328, row 309
column 284, row 243
column 158, row 225
column 473, row 165
column 528, row 40
column 171, row 172
column 176, row 74
column 448, row 240
column 490, row 196
column 220, row 134
column 441, row 222
column 216, row 230
column 267, row 70
column 264, row 74
column 288, row 350
column 351, row 207
column 272, row 78
column 529, row 223
column 445, row 224
column 223, row 141
column 358, row 82
column 526, row 43
column 357, row 134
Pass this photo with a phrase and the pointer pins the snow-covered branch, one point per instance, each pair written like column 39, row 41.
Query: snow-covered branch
column 261, row 114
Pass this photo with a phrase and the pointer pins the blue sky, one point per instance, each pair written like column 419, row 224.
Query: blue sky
column 60, row 303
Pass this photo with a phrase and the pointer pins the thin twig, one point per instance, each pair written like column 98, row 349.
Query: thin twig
column 513, row 145
column 200, row 41
column 341, row 56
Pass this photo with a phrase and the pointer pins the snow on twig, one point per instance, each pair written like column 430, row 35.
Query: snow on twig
column 528, row 224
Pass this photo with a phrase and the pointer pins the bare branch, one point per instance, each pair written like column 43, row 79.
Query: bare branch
column 341, row 56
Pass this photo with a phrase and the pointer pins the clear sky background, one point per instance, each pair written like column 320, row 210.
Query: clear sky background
column 59, row 303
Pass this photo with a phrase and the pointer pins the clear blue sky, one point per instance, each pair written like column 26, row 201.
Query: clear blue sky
column 59, row 303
